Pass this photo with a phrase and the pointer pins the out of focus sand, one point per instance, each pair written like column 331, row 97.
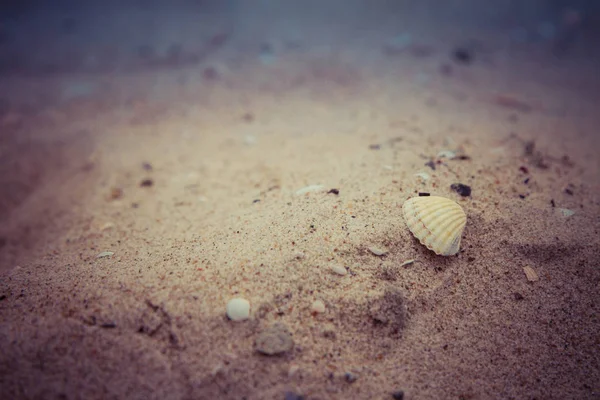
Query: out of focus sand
column 222, row 219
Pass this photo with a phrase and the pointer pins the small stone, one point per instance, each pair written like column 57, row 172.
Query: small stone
column 105, row 254
column 377, row 251
column 398, row 395
column 275, row 340
column 350, row 377
column 293, row 396
column 146, row 182
column 566, row 212
column 317, row 307
column 338, row 269
column 293, row 370
column 461, row 189
column 238, row 309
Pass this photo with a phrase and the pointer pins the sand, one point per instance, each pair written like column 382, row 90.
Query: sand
column 190, row 172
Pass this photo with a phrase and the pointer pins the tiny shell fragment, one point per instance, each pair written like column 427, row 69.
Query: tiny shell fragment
column 105, row 254
column 407, row 262
column 530, row 273
column 377, row 251
column 566, row 212
column 338, row 269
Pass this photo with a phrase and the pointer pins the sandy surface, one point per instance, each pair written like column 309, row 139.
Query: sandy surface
column 187, row 170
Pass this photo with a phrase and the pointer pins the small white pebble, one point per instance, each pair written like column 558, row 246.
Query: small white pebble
column 566, row 212
column 338, row 269
column 377, row 251
column 446, row 154
column 423, row 175
column 407, row 262
column 317, row 307
column 105, row 254
column 238, row 309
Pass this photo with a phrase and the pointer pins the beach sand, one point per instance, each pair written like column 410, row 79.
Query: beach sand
column 255, row 163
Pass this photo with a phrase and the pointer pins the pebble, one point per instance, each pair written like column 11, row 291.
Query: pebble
column 398, row 395
column 238, row 309
column 461, row 189
column 318, row 307
column 309, row 189
column 105, row 254
column 566, row 212
column 293, row 396
column 275, row 340
column 377, row 251
column 338, row 269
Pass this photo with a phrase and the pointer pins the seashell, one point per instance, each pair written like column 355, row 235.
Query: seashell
column 437, row 222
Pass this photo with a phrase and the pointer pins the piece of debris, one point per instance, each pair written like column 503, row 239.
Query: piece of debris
column 552, row 203
column 461, row 189
column 378, row 251
column 147, row 166
column 447, row 154
column 407, row 262
column 105, row 254
column 116, row 193
column 566, row 212
column 238, row 309
column 275, row 340
column 398, row 395
column 374, row 146
column 338, row 269
column 292, row 396
column 350, row 377
column 334, row 191
column 430, row 164
column 518, row 296
column 423, row 175
column 317, row 307
column 530, row 273
column 309, row 189
column 146, row 182
column 424, row 194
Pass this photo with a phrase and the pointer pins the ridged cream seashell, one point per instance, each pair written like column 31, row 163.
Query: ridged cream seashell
column 437, row 222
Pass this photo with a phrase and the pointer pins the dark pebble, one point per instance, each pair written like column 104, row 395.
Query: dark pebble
column 518, row 296
column 523, row 169
column 374, row 146
column 424, row 194
column 293, row 396
column 522, row 196
column 462, row 55
column 430, row 164
column 461, row 189
column 334, row 191
column 569, row 192
column 146, row 183
column 147, row 166
column 255, row 201
column 398, row 395
column 526, row 181
column 2, row 297
column 350, row 377
column 552, row 203
column 108, row 325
